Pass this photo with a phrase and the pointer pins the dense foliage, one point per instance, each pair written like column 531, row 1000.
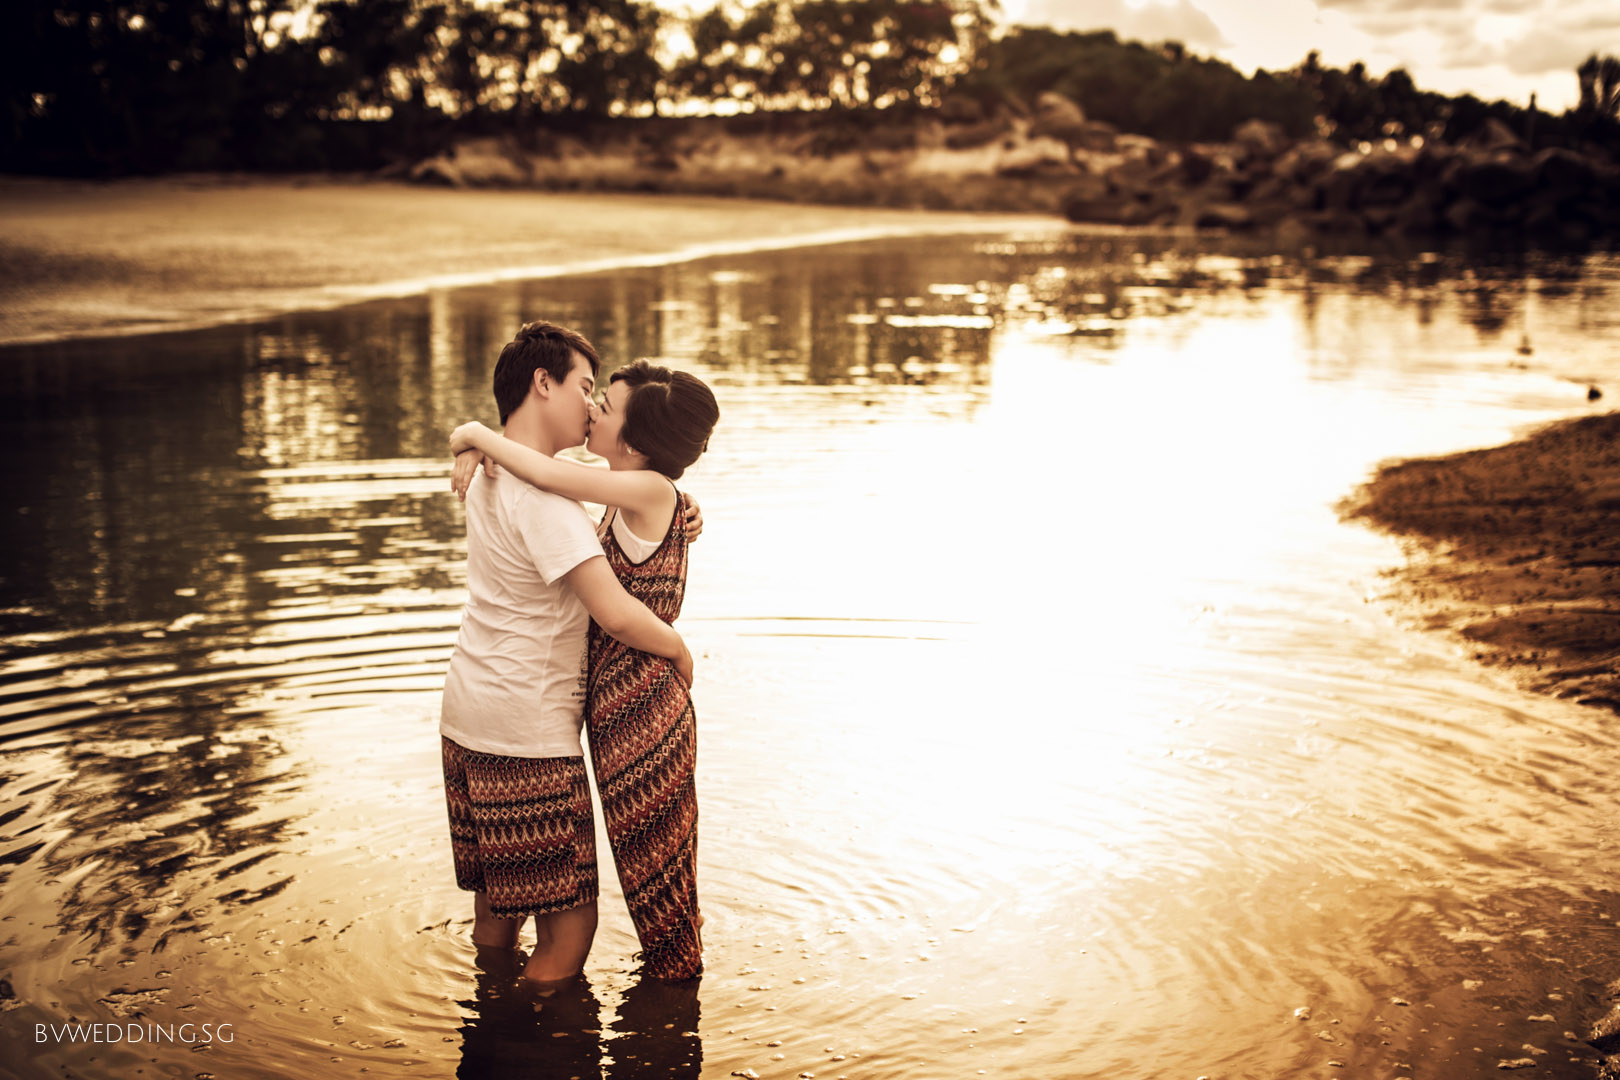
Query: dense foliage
column 101, row 87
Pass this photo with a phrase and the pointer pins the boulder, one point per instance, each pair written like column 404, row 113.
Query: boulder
column 1493, row 135
column 1466, row 214
column 1562, row 173
column 1098, row 136
column 1197, row 165
column 1498, row 180
column 1260, row 139
column 1383, row 179
column 491, row 162
column 1035, row 157
column 958, row 109
column 1232, row 216
column 1419, row 215
column 969, row 136
column 1056, row 109
column 440, row 171
column 1305, row 160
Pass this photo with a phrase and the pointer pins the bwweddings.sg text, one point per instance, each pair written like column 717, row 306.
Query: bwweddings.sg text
column 133, row 1033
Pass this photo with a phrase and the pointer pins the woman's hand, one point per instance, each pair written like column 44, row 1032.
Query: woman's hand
column 467, row 463
column 694, row 520
column 465, row 437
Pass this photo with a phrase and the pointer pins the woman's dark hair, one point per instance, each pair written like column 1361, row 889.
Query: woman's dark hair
column 668, row 416
column 537, row 345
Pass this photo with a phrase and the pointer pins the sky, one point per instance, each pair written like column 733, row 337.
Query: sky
column 1489, row 48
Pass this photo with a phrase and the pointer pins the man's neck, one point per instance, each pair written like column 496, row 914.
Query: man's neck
column 525, row 428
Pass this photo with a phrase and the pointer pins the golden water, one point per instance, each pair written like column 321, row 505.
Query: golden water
column 1051, row 721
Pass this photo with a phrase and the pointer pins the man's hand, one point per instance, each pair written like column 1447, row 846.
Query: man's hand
column 683, row 665
column 694, row 524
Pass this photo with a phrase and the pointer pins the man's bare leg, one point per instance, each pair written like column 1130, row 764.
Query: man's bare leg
column 489, row 929
column 562, row 942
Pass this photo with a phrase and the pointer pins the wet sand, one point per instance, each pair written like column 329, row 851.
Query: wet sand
column 82, row 259
column 1517, row 549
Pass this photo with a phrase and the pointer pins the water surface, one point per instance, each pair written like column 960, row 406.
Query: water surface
column 1051, row 720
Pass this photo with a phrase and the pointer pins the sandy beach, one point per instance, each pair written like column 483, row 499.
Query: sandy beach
column 83, row 259
column 1517, row 549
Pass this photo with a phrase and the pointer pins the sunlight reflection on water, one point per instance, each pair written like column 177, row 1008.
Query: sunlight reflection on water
column 1050, row 717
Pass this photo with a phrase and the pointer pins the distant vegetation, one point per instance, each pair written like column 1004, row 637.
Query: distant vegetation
column 145, row 86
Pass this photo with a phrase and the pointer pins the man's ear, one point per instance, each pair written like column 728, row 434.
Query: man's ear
column 542, row 383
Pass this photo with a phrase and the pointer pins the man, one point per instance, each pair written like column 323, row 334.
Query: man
column 521, row 826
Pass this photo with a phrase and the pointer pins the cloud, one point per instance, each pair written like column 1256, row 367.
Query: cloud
column 1411, row 7
column 1544, row 49
column 1152, row 20
column 1524, row 37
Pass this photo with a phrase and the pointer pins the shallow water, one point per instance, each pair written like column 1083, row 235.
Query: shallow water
column 1051, row 720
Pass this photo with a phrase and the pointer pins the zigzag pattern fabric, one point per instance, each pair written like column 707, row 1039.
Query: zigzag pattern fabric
column 643, row 736
column 521, row 830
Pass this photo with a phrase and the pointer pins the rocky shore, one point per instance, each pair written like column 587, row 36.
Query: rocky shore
column 1493, row 186
column 1050, row 158
column 1518, row 551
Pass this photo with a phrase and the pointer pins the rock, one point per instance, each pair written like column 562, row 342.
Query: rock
column 1493, row 135
column 958, row 109
column 1593, row 393
column 1268, row 213
column 490, row 162
column 1037, row 157
column 1383, row 179
column 1197, row 166
column 1419, row 215
column 1336, row 190
column 1562, row 173
column 1498, row 180
column 1465, row 215
column 437, row 170
column 981, row 134
column 1377, row 219
column 1516, row 1063
column 1233, row 216
column 1260, row 139
column 1098, row 136
column 1094, row 199
column 1056, row 109
column 1305, row 160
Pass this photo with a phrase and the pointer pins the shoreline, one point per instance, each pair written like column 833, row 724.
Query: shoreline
column 1515, row 550
column 85, row 259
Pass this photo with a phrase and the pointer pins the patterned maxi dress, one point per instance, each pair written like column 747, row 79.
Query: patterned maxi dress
column 643, row 736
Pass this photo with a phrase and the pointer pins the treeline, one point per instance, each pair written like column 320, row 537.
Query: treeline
column 106, row 87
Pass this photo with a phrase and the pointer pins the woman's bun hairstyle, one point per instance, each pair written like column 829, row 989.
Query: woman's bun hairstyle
column 668, row 417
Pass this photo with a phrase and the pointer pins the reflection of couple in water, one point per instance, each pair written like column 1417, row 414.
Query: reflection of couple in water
column 567, row 624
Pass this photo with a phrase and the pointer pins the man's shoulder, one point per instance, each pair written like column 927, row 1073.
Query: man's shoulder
column 539, row 501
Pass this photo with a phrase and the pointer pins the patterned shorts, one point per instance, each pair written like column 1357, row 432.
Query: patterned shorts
column 521, row 830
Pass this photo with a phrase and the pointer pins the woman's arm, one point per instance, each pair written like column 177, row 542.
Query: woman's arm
column 640, row 491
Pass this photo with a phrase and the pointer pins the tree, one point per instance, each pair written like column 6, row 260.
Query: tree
column 1600, row 85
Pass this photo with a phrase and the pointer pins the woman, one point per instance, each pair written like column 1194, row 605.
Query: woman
column 650, row 425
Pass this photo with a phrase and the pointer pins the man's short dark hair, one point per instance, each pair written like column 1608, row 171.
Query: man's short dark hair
column 538, row 345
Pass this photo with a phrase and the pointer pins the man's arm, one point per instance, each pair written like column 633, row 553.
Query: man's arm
column 624, row 617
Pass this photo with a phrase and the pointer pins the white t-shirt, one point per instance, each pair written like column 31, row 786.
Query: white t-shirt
column 516, row 684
